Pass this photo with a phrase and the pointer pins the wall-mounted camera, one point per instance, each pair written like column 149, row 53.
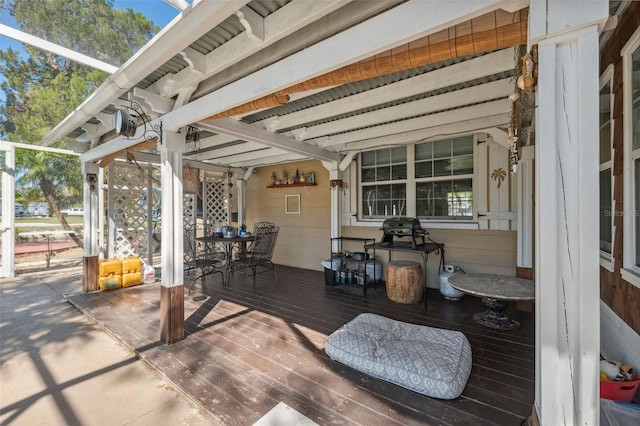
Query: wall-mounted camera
column 92, row 179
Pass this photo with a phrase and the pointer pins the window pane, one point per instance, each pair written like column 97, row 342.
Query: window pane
column 383, row 156
column 424, row 169
column 399, row 155
column 463, row 146
column 368, row 158
column 442, row 148
column 423, row 151
column 605, row 124
column 606, row 212
column 635, row 98
column 369, row 175
column 442, row 167
column 462, row 165
column 399, row 172
column 383, row 173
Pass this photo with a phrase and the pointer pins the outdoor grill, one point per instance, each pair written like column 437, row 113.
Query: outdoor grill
column 403, row 227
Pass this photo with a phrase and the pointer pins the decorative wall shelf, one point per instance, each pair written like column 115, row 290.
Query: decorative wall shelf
column 291, row 185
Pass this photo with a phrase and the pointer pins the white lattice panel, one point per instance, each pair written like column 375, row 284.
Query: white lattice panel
column 131, row 209
column 189, row 208
column 215, row 205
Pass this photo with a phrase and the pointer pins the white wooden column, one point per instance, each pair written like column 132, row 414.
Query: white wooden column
column 336, row 204
column 8, row 205
column 524, row 185
column 91, row 222
column 566, row 271
column 172, row 286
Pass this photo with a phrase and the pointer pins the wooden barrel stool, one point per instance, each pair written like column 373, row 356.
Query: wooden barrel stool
column 405, row 282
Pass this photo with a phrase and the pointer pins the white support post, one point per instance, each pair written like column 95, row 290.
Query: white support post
column 171, row 151
column 90, row 223
column 524, row 184
column 336, row 204
column 566, row 270
column 172, row 289
column 8, row 216
column 242, row 190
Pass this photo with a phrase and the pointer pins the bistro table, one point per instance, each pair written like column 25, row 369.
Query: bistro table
column 229, row 243
column 496, row 291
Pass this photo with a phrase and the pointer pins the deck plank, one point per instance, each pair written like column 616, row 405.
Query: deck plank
column 245, row 351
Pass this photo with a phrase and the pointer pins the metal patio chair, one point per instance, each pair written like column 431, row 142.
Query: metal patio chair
column 257, row 258
column 206, row 258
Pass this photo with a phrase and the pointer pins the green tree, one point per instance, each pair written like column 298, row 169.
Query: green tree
column 43, row 88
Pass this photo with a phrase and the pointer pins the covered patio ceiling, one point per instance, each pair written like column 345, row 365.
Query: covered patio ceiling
column 268, row 82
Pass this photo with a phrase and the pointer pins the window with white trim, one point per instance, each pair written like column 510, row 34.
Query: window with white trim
column 635, row 148
column 606, row 165
column 383, row 174
column 631, row 117
column 439, row 173
column 444, row 179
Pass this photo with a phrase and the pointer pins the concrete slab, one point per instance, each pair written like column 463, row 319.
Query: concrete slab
column 59, row 368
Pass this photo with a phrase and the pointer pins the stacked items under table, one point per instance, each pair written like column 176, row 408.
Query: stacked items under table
column 350, row 264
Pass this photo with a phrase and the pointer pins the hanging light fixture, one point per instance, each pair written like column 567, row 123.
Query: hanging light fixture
column 126, row 123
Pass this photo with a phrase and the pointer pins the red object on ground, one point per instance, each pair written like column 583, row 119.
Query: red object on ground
column 619, row 391
column 27, row 248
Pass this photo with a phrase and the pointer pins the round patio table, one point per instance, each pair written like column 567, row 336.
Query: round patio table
column 495, row 291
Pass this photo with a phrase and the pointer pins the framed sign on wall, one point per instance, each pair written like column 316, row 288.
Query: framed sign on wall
column 292, row 204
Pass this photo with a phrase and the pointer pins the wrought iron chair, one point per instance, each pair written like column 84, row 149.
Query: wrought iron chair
column 198, row 255
column 257, row 259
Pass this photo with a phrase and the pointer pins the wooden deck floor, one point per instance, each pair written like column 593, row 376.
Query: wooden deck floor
column 247, row 351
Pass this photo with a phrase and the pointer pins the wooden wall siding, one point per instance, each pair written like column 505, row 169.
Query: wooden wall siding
column 484, row 251
column 304, row 238
column 622, row 297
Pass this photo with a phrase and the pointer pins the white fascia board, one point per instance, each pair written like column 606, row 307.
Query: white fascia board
column 378, row 34
column 250, row 133
column 186, row 28
column 482, row 66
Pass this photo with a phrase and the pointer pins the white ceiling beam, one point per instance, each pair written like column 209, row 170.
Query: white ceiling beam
column 170, row 84
column 424, row 134
column 472, row 69
column 268, row 160
column 459, row 98
column 378, row 34
column 249, row 156
column 278, row 25
column 252, row 23
column 447, row 117
column 250, row 133
column 156, row 104
column 56, row 49
column 230, row 150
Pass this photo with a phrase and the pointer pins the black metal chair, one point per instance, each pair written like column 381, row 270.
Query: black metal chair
column 198, row 255
column 257, row 258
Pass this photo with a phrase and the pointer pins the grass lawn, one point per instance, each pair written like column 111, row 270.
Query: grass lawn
column 25, row 224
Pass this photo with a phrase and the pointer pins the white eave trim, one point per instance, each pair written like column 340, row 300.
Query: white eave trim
column 186, row 28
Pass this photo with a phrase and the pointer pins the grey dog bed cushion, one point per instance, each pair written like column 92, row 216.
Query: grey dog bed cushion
column 430, row 361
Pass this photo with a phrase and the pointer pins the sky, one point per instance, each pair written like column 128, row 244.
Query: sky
column 156, row 10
